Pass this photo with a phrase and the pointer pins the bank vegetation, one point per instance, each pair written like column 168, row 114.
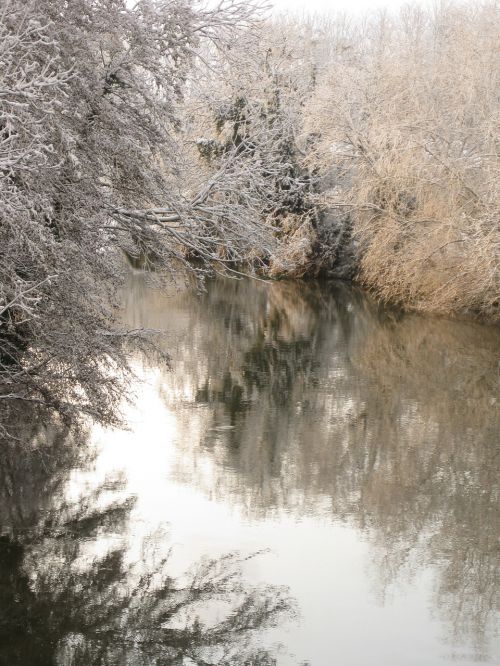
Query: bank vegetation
column 194, row 140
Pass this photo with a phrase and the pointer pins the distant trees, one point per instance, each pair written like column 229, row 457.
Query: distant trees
column 246, row 111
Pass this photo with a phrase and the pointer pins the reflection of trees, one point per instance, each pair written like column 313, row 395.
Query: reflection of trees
column 308, row 394
column 69, row 595
column 436, row 485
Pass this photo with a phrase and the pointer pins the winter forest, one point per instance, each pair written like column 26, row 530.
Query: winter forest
column 291, row 222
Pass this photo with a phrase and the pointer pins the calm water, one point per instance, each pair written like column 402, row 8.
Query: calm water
column 316, row 481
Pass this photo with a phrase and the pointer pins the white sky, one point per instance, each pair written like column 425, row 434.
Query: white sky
column 334, row 6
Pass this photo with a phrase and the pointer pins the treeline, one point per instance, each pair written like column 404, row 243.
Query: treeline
column 196, row 140
column 414, row 125
column 389, row 127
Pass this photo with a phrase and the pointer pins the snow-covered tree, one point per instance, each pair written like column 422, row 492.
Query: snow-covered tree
column 90, row 164
column 245, row 109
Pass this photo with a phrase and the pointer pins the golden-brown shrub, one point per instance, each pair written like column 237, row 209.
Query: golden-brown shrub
column 410, row 120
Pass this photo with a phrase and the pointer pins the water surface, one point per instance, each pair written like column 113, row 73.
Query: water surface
column 316, row 480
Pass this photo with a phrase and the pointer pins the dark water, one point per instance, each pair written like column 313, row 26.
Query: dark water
column 316, row 481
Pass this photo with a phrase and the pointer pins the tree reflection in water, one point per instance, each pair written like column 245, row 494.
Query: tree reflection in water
column 310, row 393
column 69, row 595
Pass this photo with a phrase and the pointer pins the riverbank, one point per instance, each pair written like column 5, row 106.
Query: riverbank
column 398, row 134
column 427, row 269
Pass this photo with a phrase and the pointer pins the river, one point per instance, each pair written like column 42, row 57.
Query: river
column 314, row 480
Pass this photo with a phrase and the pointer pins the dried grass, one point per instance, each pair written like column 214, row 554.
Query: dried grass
column 411, row 126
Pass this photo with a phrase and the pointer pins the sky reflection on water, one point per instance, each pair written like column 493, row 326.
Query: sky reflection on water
column 356, row 447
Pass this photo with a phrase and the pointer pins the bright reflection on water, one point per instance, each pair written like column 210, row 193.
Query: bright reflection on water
column 358, row 448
